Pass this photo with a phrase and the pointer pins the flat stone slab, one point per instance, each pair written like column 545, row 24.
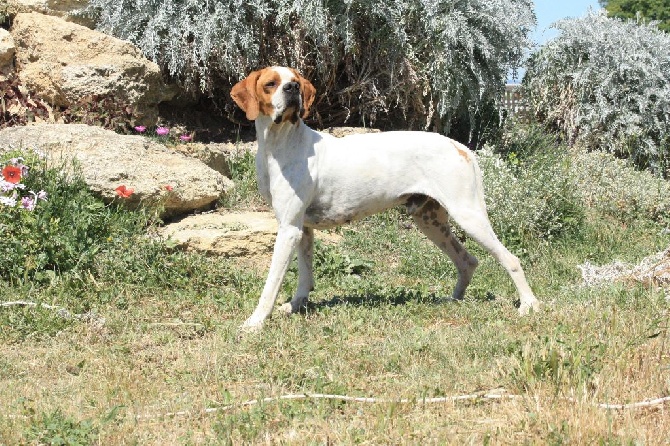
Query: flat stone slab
column 231, row 234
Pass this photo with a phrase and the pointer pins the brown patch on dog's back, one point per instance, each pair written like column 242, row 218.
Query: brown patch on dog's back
column 463, row 153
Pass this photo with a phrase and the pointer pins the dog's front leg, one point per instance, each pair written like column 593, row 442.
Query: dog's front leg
column 305, row 273
column 288, row 238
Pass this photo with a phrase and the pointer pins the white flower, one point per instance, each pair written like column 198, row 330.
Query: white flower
column 8, row 201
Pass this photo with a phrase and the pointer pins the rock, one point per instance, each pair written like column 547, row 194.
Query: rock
column 653, row 270
column 7, row 50
column 230, row 234
column 109, row 160
column 63, row 63
column 65, row 9
column 215, row 155
column 249, row 235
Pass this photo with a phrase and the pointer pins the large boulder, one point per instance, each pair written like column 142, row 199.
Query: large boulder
column 63, row 62
column 108, row 160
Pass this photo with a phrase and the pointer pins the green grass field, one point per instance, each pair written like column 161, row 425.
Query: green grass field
column 159, row 342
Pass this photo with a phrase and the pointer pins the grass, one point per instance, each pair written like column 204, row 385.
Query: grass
column 377, row 326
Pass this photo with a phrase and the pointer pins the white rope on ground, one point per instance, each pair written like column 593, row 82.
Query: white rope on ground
column 371, row 400
column 60, row 311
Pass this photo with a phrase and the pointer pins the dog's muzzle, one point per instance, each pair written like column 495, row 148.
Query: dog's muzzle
column 292, row 103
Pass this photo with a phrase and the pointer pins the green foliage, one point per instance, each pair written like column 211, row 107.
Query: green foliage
column 615, row 188
column 605, row 83
column 332, row 262
column 242, row 170
column 57, row 429
column 412, row 63
column 63, row 234
column 530, row 193
column 657, row 10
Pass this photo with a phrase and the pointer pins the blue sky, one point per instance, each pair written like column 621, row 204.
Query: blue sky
column 549, row 11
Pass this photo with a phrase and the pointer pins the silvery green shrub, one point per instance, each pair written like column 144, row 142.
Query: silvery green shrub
column 614, row 187
column 533, row 199
column 605, row 84
column 418, row 63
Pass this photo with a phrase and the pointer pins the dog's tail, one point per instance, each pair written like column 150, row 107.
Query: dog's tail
column 479, row 178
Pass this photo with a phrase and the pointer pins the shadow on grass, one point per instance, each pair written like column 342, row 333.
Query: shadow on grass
column 401, row 297
column 379, row 300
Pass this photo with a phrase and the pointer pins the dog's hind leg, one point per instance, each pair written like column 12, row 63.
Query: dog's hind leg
column 433, row 220
column 475, row 222
column 305, row 273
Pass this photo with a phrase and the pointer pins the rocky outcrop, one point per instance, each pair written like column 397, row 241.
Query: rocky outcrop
column 63, row 62
column 65, row 9
column 216, row 155
column 155, row 174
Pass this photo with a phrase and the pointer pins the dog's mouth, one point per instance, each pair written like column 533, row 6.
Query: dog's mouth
column 290, row 112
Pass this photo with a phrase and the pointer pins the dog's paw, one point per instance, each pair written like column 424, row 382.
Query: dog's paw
column 526, row 307
column 285, row 309
column 251, row 326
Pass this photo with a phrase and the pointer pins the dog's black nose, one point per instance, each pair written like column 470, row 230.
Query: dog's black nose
column 292, row 87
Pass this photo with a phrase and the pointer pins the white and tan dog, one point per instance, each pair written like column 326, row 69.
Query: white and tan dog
column 313, row 180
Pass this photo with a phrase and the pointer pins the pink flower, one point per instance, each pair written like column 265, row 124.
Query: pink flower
column 168, row 188
column 28, row 203
column 185, row 138
column 141, row 128
column 162, row 131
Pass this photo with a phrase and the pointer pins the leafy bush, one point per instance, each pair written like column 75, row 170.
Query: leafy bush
column 418, row 62
column 614, row 187
column 530, row 191
column 19, row 107
column 605, row 83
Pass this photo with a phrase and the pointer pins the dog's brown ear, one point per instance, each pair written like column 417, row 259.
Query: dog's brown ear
column 244, row 95
column 308, row 93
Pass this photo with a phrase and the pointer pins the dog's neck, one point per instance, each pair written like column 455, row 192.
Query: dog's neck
column 272, row 136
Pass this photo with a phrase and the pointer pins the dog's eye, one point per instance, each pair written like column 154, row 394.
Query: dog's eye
column 270, row 84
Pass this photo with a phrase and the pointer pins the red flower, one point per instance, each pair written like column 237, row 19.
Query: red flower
column 123, row 191
column 168, row 188
column 12, row 174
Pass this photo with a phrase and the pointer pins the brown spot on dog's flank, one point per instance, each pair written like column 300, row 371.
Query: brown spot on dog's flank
column 463, row 153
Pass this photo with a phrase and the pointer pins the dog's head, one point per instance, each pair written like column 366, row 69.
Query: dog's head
column 278, row 92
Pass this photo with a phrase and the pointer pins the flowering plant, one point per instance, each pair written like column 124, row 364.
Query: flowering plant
column 11, row 188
